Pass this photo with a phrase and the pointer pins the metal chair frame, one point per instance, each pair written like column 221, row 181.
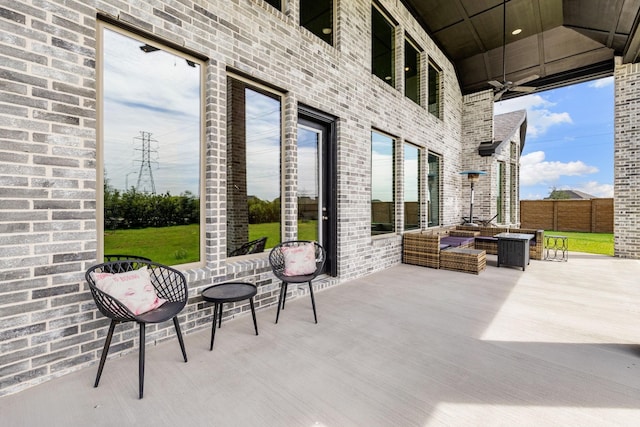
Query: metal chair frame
column 169, row 284
column 276, row 259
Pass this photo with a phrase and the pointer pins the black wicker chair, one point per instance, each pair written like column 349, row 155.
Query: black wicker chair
column 276, row 259
column 252, row 247
column 118, row 257
column 169, row 284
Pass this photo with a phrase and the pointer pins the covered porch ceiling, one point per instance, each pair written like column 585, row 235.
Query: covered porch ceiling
column 562, row 41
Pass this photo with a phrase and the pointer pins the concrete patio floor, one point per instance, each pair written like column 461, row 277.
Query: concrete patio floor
column 557, row 345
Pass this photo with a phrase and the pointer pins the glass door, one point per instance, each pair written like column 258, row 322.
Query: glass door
column 317, row 217
column 309, row 177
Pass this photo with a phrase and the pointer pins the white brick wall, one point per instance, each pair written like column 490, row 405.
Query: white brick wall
column 48, row 322
column 626, row 184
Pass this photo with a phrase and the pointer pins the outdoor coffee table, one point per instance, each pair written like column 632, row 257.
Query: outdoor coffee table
column 229, row 292
column 513, row 249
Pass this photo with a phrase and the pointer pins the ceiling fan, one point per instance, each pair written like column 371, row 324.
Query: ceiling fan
column 501, row 88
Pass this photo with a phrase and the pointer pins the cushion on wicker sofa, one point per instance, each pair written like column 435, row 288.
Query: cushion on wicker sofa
column 454, row 241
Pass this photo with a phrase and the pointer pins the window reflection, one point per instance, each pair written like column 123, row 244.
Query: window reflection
column 411, row 72
column 382, row 46
column 253, row 166
column 308, row 183
column 151, row 150
column 411, row 187
column 434, row 90
column 317, row 17
column 434, row 189
column 382, row 184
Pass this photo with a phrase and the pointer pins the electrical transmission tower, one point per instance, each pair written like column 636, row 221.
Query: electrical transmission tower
column 145, row 176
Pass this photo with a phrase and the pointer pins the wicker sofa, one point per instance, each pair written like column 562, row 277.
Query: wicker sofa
column 424, row 248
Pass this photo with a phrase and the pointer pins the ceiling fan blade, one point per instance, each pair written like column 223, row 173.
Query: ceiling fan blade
column 527, row 89
column 498, row 95
column 495, row 83
column 526, row 80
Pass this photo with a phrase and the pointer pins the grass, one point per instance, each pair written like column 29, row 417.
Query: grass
column 179, row 244
column 166, row 245
column 593, row 243
column 307, row 230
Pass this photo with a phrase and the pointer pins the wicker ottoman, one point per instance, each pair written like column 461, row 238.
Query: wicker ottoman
column 462, row 259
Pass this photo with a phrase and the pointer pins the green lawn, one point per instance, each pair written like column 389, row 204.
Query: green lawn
column 307, row 230
column 180, row 243
column 593, row 243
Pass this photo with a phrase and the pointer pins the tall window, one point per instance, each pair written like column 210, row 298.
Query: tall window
column 411, row 71
column 513, row 196
column 500, row 195
column 434, row 90
column 317, row 17
column 513, row 182
column 253, row 165
column 411, row 187
column 435, row 194
column 382, row 184
column 275, row 3
column 150, row 149
column 382, row 46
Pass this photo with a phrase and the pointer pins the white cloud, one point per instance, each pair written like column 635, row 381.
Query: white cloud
column 597, row 189
column 539, row 114
column 600, row 83
column 535, row 170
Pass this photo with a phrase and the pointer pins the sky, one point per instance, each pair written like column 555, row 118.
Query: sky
column 569, row 142
column 158, row 93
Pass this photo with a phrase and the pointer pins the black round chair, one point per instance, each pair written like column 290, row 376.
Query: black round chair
column 277, row 261
column 169, row 284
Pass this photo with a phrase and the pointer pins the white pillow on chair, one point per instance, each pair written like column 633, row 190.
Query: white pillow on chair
column 131, row 288
column 299, row 260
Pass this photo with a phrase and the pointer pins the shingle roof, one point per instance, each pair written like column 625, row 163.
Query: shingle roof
column 505, row 126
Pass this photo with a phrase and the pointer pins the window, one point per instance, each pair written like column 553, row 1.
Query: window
column 513, row 196
column 382, row 184
column 434, row 90
column 411, row 72
column 411, row 187
column 433, row 183
column 513, row 183
column 275, row 3
column 382, row 46
column 149, row 150
column 500, row 195
column 317, row 17
column 253, row 165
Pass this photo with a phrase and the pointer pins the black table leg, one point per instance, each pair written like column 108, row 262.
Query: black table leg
column 213, row 325
column 253, row 313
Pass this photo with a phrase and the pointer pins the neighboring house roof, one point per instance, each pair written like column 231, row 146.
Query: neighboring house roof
column 569, row 194
column 505, row 127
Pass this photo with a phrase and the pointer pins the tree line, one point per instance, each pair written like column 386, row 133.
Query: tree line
column 134, row 209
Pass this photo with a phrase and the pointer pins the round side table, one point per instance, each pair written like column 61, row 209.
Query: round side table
column 229, row 292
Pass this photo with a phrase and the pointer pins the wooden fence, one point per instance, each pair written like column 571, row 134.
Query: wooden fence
column 590, row 216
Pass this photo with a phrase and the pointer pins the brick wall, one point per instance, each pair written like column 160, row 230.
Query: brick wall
column 626, row 181
column 48, row 145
